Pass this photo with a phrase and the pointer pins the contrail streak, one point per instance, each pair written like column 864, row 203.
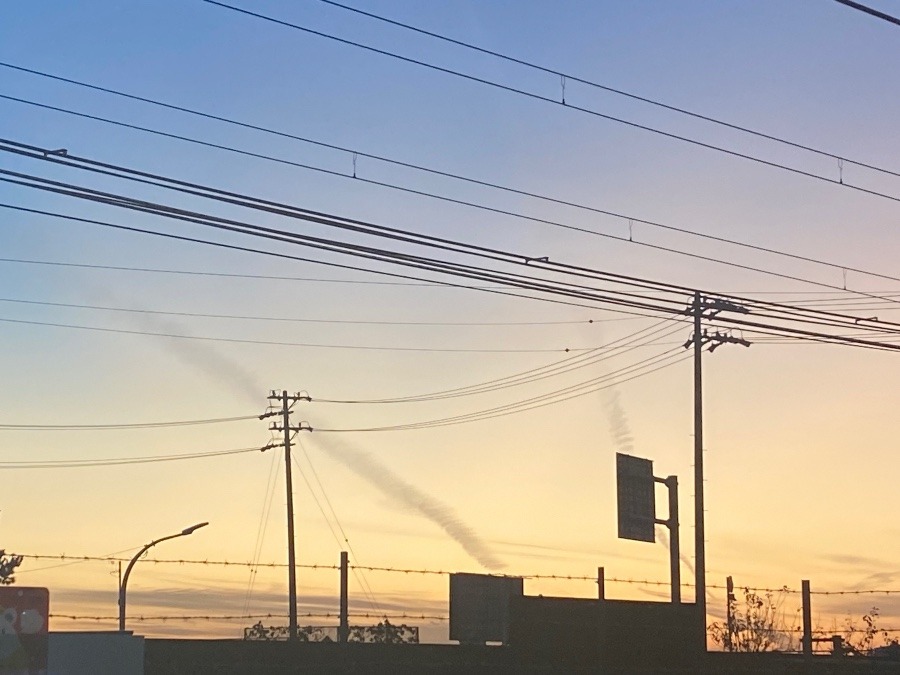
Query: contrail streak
column 203, row 357
column 662, row 536
column 367, row 467
column 618, row 424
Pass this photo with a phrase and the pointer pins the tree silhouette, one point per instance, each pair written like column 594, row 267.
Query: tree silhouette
column 8, row 564
column 761, row 625
column 863, row 639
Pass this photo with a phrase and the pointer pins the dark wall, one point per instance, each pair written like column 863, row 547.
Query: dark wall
column 233, row 657
column 226, row 657
column 582, row 632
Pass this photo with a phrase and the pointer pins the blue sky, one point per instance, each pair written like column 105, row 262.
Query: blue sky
column 798, row 436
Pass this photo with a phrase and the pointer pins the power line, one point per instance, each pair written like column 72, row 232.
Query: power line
column 360, row 578
column 131, row 425
column 519, row 281
column 868, row 10
column 317, row 261
column 357, row 226
column 626, row 94
column 346, row 224
column 615, row 348
column 554, row 223
column 199, row 273
column 544, row 288
column 827, row 298
column 664, row 360
column 271, row 480
column 298, row 213
column 279, row 343
column 122, row 461
column 245, row 317
column 547, row 99
column 285, row 256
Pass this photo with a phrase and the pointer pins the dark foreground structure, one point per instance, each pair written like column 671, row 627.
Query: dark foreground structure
column 202, row 657
column 539, row 635
column 544, row 635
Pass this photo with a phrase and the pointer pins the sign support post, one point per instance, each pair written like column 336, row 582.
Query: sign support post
column 636, row 498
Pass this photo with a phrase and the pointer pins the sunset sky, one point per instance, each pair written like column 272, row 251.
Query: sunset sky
column 801, row 464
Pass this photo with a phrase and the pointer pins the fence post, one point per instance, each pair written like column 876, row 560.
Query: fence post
column 601, row 583
column 344, row 627
column 729, row 614
column 807, row 618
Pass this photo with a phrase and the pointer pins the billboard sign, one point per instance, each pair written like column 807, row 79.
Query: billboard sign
column 636, row 497
column 479, row 607
column 23, row 629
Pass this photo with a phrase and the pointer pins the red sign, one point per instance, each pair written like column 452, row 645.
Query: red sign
column 24, row 612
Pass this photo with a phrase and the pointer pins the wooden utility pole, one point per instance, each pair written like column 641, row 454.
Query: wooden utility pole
column 292, row 561
column 287, row 401
column 699, row 521
column 704, row 308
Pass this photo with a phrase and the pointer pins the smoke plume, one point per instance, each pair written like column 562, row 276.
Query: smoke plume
column 367, row 467
column 618, row 424
column 201, row 354
column 662, row 537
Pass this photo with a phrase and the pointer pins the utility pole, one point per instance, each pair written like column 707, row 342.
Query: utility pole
column 699, row 521
column 704, row 308
column 287, row 402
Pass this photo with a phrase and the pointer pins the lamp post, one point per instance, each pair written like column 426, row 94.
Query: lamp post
column 185, row 532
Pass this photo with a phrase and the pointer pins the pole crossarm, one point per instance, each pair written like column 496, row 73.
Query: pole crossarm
column 716, row 340
column 293, row 398
column 303, row 426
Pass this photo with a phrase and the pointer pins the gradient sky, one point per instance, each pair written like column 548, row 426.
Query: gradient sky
column 802, row 465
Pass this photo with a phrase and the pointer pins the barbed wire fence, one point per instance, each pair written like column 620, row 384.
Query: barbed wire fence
column 863, row 621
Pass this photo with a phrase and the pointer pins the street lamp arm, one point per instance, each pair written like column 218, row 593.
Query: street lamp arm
column 140, row 553
column 185, row 532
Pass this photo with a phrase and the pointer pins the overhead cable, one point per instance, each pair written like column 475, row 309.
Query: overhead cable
column 496, row 290
column 631, row 219
column 131, row 425
column 871, row 11
column 353, row 225
column 642, row 338
column 525, row 280
column 250, row 317
column 121, row 461
column 620, row 92
column 640, row 369
column 546, row 99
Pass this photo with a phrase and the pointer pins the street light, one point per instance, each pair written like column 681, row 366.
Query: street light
column 185, row 532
